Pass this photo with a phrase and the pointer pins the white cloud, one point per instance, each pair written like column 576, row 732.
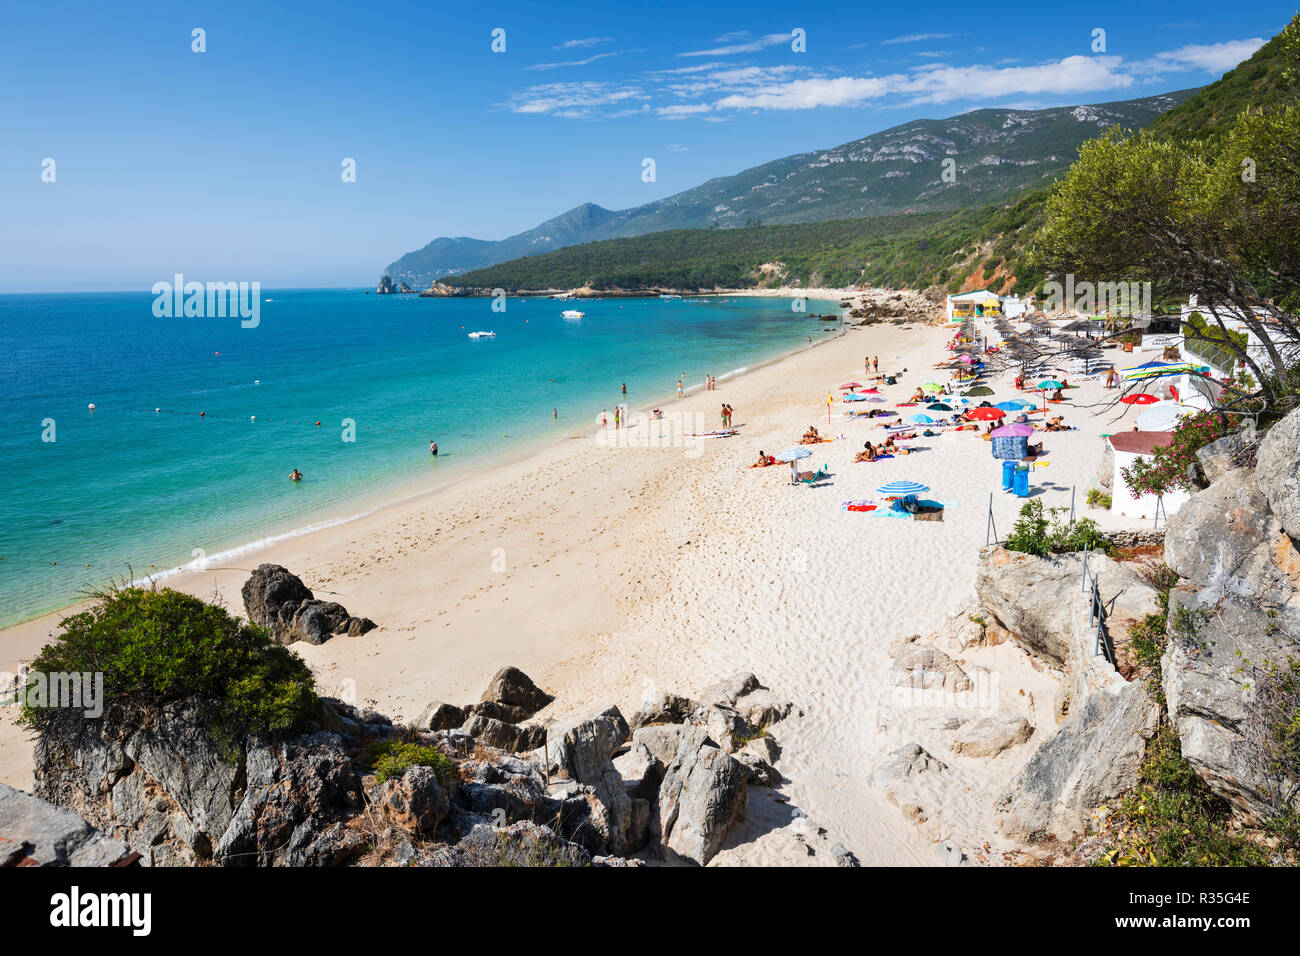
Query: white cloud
column 920, row 38
column 585, row 42
column 591, row 59
column 745, row 46
column 683, row 110
column 572, row 100
column 934, row 83
column 708, row 91
column 1211, row 57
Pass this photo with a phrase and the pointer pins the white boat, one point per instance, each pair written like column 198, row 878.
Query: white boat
column 670, row 297
column 482, row 335
column 573, row 314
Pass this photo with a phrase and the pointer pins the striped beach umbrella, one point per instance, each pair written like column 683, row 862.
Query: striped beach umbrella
column 902, row 488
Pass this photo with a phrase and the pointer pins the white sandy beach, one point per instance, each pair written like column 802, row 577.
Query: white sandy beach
column 607, row 570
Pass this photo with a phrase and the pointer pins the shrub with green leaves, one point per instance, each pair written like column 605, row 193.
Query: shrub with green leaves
column 1173, row 819
column 155, row 647
column 1040, row 531
column 392, row 758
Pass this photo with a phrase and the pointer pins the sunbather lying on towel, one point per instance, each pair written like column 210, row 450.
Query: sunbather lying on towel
column 763, row 460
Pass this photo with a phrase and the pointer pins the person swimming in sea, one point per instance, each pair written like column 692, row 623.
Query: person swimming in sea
column 295, row 475
column 433, row 448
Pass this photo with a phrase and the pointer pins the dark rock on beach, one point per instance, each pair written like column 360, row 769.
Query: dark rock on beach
column 277, row 599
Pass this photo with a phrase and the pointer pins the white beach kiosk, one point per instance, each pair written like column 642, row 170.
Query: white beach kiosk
column 968, row 305
column 1128, row 447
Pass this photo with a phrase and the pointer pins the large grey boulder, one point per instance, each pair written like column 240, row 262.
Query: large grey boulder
column 1277, row 469
column 989, row 736
column 34, row 832
column 440, row 716
column 660, row 739
column 1214, row 460
column 1033, row 597
column 1237, row 612
column 277, row 599
column 416, row 800
column 703, row 794
column 513, row 688
column 924, row 667
column 1225, row 541
column 512, row 738
column 583, row 752
column 1093, row 757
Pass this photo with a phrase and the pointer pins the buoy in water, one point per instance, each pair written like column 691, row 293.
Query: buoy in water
column 201, row 414
column 91, row 406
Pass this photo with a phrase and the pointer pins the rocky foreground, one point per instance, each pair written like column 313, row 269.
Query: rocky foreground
column 474, row 784
column 1233, row 626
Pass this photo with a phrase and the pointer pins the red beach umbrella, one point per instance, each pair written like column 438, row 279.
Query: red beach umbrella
column 986, row 414
column 1141, row 398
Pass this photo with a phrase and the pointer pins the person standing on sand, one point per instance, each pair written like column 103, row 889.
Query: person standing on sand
column 618, row 416
column 875, row 364
column 604, row 421
column 679, row 389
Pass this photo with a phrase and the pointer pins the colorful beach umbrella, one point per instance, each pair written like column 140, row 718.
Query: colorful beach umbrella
column 794, row 454
column 965, row 358
column 1009, row 406
column 902, row 488
column 1141, row 398
column 877, row 399
column 986, row 414
column 1050, row 383
column 931, row 387
column 1013, row 431
column 855, row 397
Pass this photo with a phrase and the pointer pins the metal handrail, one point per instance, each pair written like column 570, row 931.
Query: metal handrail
column 1097, row 617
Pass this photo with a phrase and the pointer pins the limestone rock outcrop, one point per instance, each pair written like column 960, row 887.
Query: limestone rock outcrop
column 277, row 599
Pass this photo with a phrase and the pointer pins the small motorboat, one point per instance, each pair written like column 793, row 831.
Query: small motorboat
column 482, row 335
column 573, row 314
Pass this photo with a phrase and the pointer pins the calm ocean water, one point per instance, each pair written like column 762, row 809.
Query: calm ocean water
column 126, row 490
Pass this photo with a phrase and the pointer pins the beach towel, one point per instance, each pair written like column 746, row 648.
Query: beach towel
column 865, row 505
column 877, row 458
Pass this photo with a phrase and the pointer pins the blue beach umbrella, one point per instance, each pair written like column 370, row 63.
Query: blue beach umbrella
column 922, row 419
column 855, row 397
column 1010, row 406
column 902, row 488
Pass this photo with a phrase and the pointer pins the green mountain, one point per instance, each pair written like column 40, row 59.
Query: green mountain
column 981, row 245
column 1253, row 84
column 996, row 154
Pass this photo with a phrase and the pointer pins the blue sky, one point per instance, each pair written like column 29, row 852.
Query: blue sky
column 225, row 165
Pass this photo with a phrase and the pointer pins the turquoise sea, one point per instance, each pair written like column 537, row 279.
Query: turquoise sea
column 144, row 483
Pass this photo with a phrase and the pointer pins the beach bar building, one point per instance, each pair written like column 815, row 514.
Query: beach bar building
column 974, row 305
column 1126, row 448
